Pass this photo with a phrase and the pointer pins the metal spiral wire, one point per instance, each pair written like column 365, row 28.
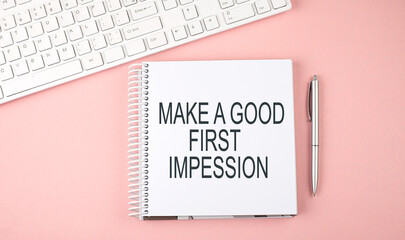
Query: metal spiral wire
column 138, row 139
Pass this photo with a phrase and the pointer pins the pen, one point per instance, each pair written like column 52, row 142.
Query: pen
column 313, row 114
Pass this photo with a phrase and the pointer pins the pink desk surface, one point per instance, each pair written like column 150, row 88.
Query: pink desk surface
column 63, row 152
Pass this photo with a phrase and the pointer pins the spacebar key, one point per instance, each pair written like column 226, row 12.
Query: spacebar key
column 59, row 72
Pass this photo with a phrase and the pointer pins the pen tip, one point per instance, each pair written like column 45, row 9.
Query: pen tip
column 314, row 194
column 315, row 77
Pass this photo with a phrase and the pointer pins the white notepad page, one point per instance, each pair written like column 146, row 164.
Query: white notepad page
column 224, row 82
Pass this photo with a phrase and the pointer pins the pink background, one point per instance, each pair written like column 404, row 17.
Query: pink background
column 63, row 160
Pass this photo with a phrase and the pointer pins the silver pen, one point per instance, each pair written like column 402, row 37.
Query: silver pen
column 313, row 114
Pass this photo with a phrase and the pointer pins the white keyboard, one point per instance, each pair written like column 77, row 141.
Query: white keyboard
column 44, row 43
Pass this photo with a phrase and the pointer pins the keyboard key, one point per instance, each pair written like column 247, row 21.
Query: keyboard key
column 51, row 24
column 98, row 42
column 82, row 14
column 106, row 23
column 28, row 48
column 156, row 40
column 92, row 61
column 20, row 68
column 35, row 29
column 113, row 5
column 241, row 1
column 2, row 58
column 83, row 47
column 121, row 18
column 66, row 52
column 6, row 4
column 239, row 13
column 36, row 62
column 5, row 39
column 68, row 4
column 278, row 3
column 51, row 57
column 114, row 54
column 75, row 33
column 12, row 53
column 195, row 28
column 143, row 10
column 169, row 4
column 23, row 17
column 43, row 43
column 211, row 23
column 90, row 28
column 179, row 33
column 53, row 7
column 142, row 28
column 129, row 2
column 6, row 73
column 97, row 9
column 38, row 12
column 226, row 3
column 114, row 37
column 7, row 22
column 183, row 2
column 135, row 47
column 190, row 12
column 59, row 38
column 66, row 19
column 42, row 77
column 20, row 34
column 262, row 6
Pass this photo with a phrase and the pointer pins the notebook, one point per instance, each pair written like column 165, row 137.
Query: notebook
column 211, row 139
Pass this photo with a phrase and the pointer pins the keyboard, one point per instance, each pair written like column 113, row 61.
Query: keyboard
column 50, row 42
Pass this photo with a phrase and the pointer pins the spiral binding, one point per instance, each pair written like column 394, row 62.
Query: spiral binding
column 138, row 139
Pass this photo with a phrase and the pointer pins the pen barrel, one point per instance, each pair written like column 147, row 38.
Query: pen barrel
column 315, row 112
column 315, row 167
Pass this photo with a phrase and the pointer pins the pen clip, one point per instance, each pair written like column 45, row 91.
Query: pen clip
column 309, row 102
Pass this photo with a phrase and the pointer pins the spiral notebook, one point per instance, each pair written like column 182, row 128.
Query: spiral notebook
column 211, row 139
